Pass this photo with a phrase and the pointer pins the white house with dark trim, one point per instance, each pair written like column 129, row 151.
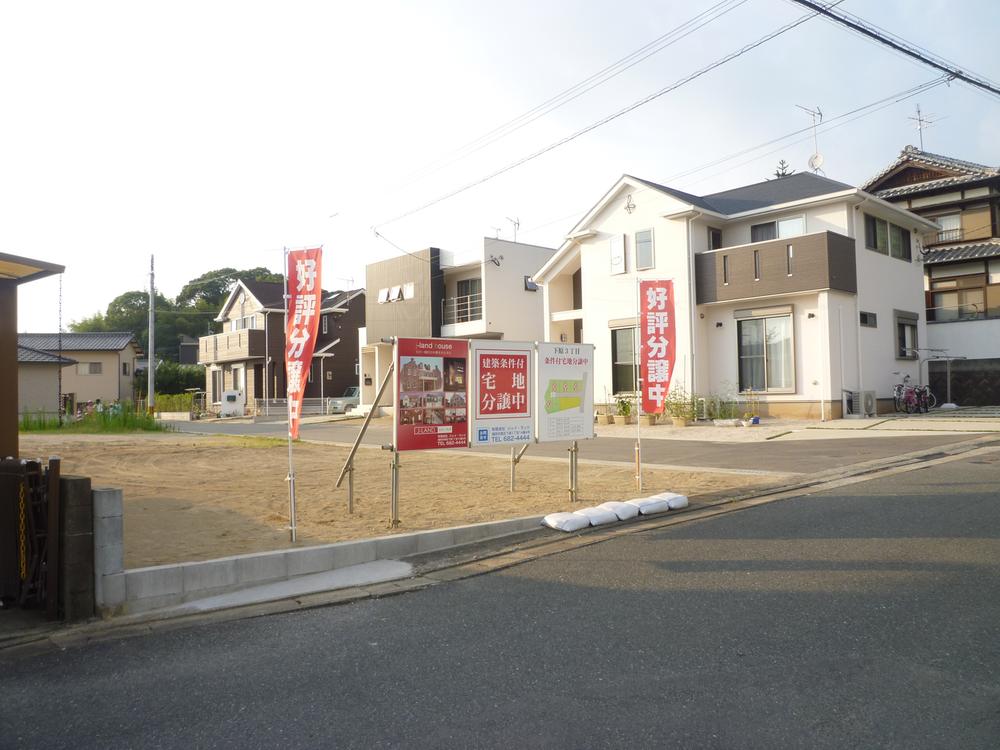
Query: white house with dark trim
column 796, row 289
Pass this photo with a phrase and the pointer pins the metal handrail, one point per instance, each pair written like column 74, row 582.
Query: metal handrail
column 462, row 309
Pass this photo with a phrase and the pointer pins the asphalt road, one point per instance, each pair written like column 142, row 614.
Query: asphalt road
column 862, row 617
column 796, row 456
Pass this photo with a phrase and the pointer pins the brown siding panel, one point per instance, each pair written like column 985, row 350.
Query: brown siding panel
column 824, row 260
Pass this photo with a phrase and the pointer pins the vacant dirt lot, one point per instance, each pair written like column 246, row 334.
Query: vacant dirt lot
column 194, row 498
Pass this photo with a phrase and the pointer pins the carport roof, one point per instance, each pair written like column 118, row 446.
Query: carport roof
column 22, row 270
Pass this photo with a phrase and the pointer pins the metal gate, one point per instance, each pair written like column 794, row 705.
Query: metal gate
column 29, row 533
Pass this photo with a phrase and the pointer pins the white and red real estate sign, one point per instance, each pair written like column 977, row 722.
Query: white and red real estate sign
column 305, row 293
column 431, row 394
column 657, row 336
column 503, row 392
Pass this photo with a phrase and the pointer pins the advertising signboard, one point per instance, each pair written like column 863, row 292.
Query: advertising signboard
column 656, row 331
column 502, row 388
column 431, row 394
column 565, row 392
column 302, row 325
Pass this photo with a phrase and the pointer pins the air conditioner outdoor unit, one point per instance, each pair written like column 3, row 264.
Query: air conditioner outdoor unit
column 859, row 404
column 869, row 404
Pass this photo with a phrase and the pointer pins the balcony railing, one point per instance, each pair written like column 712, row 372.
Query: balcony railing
column 231, row 345
column 462, row 309
column 956, row 313
column 944, row 236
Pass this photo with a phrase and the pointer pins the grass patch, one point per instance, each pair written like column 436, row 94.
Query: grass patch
column 241, row 441
column 111, row 420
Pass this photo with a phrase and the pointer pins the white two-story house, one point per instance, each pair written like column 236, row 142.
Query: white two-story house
column 795, row 289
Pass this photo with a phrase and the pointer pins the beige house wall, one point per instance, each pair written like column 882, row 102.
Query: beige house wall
column 110, row 385
column 38, row 387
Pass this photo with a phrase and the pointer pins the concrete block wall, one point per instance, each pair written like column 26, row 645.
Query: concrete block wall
column 146, row 589
column 109, row 552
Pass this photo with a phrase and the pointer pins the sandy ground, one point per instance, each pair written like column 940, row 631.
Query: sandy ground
column 191, row 497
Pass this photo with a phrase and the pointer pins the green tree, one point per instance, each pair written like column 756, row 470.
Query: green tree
column 783, row 170
column 212, row 288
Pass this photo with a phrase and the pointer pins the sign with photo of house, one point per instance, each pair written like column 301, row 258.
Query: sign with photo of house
column 431, row 397
column 565, row 392
column 502, row 392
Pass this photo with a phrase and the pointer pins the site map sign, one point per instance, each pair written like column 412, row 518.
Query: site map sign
column 502, row 389
column 432, row 394
column 565, row 392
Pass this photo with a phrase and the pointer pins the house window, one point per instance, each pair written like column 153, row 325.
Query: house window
column 216, row 385
column 89, row 368
column 644, row 249
column 469, row 302
column 725, row 269
column 764, row 232
column 714, row 238
column 789, row 254
column 951, row 228
column 886, row 238
column 756, row 265
column 906, row 335
column 312, row 371
column 125, row 369
column 766, row 354
column 869, row 320
column 623, row 360
column 792, row 227
column 960, row 304
column 325, row 331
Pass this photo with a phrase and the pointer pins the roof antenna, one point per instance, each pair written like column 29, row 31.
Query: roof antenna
column 517, row 224
column 816, row 160
column 923, row 121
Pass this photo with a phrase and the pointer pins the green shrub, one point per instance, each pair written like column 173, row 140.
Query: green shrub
column 173, row 401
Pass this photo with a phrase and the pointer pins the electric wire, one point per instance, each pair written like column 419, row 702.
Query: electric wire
column 609, row 118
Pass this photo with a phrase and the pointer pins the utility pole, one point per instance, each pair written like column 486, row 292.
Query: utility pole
column 151, row 369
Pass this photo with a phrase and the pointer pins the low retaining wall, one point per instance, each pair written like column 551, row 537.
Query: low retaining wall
column 121, row 591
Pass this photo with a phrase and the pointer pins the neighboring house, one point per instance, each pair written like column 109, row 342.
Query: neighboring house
column 486, row 295
column 38, row 386
column 105, row 363
column 795, row 289
column 187, row 350
column 248, row 356
column 961, row 266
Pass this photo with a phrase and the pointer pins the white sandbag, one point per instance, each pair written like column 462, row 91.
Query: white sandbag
column 666, row 495
column 566, row 521
column 624, row 511
column 598, row 516
column 677, row 502
column 647, row 505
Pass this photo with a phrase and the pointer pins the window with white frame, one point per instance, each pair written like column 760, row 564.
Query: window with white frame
column 772, row 230
column 644, row 249
column 951, row 227
column 623, row 360
column 766, row 353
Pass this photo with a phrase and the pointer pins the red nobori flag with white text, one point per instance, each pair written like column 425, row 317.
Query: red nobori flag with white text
column 305, row 299
column 656, row 333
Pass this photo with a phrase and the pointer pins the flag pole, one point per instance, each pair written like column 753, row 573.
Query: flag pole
column 288, row 407
column 638, row 385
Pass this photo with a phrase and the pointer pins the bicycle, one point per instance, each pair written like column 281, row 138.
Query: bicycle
column 912, row 399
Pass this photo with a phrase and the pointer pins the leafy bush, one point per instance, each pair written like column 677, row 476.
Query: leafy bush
column 172, row 378
column 173, row 401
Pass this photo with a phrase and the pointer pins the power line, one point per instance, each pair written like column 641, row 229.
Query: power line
column 859, row 25
column 831, row 123
column 614, row 116
column 579, row 89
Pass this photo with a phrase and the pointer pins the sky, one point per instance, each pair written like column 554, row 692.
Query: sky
column 214, row 134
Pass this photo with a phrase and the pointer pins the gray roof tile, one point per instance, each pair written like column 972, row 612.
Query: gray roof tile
column 25, row 354
column 112, row 341
column 967, row 251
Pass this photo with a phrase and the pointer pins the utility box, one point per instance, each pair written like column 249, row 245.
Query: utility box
column 234, row 404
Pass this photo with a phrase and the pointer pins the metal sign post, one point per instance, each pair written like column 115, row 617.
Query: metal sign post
column 515, row 459
column 394, row 501
column 349, row 463
column 290, row 478
column 574, row 449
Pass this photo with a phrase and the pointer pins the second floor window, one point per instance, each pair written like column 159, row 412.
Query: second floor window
column 469, row 300
column 886, row 238
column 644, row 249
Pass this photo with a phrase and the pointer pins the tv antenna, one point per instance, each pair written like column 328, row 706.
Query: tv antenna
column 816, row 160
column 517, row 223
column 923, row 121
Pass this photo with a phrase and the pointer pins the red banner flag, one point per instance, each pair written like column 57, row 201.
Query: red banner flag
column 302, row 311
column 656, row 334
